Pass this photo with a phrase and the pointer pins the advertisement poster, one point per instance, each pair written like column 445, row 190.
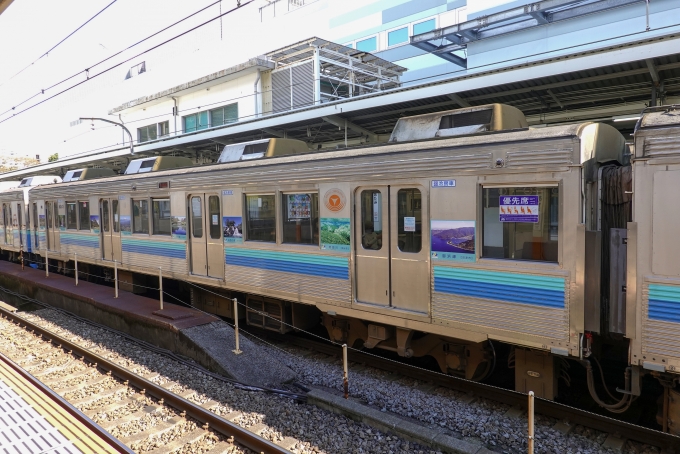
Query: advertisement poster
column 41, row 221
column 178, row 227
column 453, row 240
column 125, row 225
column 335, row 234
column 232, row 228
column 94, row 223
column 518, row 208
column 299, row 206
column 409, row 224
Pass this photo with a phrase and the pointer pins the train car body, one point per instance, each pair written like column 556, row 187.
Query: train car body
column 430, row 247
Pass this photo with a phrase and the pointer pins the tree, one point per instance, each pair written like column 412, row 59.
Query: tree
column 53, row 157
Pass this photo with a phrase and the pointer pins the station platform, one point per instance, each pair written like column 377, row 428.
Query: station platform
column 35, row 420
column 205, row 338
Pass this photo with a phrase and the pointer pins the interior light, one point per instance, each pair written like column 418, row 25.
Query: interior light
column 626, row 118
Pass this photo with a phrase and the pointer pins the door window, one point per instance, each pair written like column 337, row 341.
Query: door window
column 371, row 219
column 409, row 222
column 105, row 216
column 71, row 216
column 116, row 218
column 196, row 217
column 214, row 213
column 48, row 206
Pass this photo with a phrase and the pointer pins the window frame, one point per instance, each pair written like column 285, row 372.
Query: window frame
column 560, row 222
column 413, row 24
column 152, row 230
column 66, row 204
column 87, row 221
column 246, row 218
column 408, row 36
column 132, row 216
column 282, row 208
column 366, row 38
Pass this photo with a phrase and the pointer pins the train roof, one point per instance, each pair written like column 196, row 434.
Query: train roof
column 660, row 117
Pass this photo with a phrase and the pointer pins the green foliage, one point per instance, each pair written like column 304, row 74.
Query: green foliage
column 331, row 234
column 53, row 157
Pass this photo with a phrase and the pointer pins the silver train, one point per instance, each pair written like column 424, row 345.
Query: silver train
column 467, row 230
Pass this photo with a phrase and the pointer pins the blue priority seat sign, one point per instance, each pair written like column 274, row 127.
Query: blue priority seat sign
column 443, row 183
column 518, row 208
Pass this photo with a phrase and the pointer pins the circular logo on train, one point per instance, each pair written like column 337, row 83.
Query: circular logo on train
column 334, row 199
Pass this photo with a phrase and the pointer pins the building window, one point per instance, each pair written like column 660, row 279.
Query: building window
column 368, row 44
column 300, row 218
column 520, row 223
column 224, row 115
column 161, row 216
column 152, row 132
column 397, row 36
column 424, row 27
column 261, row 218
column 71, row 216
column 196, row 122
column 140, row 216
column 136, row 70
column 84, row 213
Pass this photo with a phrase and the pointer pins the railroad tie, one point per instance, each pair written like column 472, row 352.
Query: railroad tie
column 109, row 425
column 76, row 387
column 287, row 443
column 158, row 430
column 53, row 381
column 130, row 400
column 209, row 405
column 190, row 438
column 223, row 447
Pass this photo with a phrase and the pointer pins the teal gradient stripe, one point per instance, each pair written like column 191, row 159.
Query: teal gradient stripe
column 175, row 250
column 327, row 260
column 76, row 239
column 496, row 277
column 664, row 303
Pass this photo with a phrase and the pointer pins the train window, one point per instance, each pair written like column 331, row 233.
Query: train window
column 116, row 218
column 5, row 222
column 214, row 213
column 71, row 216
column 261, row 218
column 106, row 218
column 409, row 220
column 300, row 218
column 371, row 219
column 520, row 223
column 196, row 217
column 161, row 216
column 48, row 208
column 140, row 216
column 84, row 213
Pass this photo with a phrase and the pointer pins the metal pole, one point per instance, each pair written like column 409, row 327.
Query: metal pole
column 47, row 264
column 75, row 259
column 21, row 254
column 160, row 284
column 530, row 412
column 238, row 350
column 345, row 379
column 115, row 277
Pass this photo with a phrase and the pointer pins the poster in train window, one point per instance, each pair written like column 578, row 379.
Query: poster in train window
column 232, row 228
column 518, row 208
column 453, row 240
column 299, row 206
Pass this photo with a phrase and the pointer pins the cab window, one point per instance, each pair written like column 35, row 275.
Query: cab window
column 520, row 223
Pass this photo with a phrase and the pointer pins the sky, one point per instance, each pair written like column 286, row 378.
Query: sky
column 28, row 28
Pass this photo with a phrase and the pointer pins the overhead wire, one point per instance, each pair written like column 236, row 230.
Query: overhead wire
column 60, row 42
column 87, row 70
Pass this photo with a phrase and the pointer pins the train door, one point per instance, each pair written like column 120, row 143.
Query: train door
column 7, row 223
column 106, row 229
column 20, row 225
column 206, row 247
column 34, row 219
column 392, row 247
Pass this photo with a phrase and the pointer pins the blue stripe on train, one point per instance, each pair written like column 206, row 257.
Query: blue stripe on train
column 311, row 269
column 149, row 247
column 527, row 289
column 664, row 303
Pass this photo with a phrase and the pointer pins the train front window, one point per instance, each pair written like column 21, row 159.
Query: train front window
column 84, row 212
column 140, row 216
column 71, row 216
column 300, row 218
column 520, row 223
column 261, row 218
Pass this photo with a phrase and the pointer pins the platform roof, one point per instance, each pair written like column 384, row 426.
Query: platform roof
column 593, row 85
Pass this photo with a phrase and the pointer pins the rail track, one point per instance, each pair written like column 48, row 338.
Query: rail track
column 164, row 421
column 545, row 407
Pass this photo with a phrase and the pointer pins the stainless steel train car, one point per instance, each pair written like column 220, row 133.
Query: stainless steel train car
column 387, row 241
column 481, row 232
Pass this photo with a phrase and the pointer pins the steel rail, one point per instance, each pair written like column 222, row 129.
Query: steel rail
column 70, row 409
column 513, row 398
column 215, row 422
